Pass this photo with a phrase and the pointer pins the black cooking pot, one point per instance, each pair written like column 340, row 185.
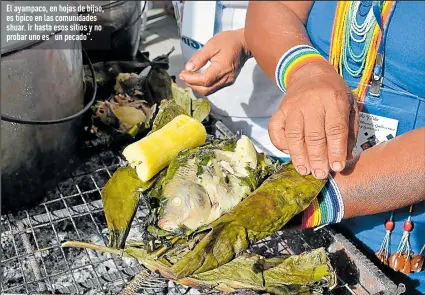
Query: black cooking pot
column 42, row 98
column 121, row 29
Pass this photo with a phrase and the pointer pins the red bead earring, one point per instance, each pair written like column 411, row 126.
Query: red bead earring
column 401, row 259
column 384, row 251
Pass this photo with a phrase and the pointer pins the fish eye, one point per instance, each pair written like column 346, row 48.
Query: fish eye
column 176, row 202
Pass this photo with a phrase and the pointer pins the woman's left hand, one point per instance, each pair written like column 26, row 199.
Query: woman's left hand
column 317, row 121
column 227, row 53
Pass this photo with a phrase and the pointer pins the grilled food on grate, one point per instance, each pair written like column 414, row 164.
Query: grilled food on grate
column 138, row 102
column 201, row 246
column 356, row 274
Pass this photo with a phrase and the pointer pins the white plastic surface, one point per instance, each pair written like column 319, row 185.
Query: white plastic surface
column 248, row 104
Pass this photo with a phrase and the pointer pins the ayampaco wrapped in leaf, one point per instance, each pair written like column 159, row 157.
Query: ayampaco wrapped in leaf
column 216, row 258
column 308, row 273
column 208, row 206
column 120, row 198
column 282, row 196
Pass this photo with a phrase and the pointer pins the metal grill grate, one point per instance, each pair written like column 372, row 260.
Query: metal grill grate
column 33, row 261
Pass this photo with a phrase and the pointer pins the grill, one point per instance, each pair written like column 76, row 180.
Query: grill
column 34, row 263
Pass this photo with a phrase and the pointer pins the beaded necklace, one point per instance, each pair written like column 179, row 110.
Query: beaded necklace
column 347, row 29
column 369, row 35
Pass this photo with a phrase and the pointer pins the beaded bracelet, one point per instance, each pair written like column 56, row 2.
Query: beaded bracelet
column 292, row 60
column 327, row 208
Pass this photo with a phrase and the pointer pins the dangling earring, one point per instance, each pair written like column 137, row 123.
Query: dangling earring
column 401, row 259
column 384, row 252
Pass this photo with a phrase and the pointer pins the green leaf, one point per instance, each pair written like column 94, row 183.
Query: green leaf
column 200, row 109
column 288, row 275
column 182, row 98
column 310, row 269
column 168, row 110
column 120, row 197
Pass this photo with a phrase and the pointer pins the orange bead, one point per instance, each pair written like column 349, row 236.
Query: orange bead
column 389, row 225
column 408, row 226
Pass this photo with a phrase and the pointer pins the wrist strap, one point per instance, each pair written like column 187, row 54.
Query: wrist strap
column 291, row 61
column 327, row 208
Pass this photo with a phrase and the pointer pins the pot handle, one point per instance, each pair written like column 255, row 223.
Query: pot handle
column 62, row 120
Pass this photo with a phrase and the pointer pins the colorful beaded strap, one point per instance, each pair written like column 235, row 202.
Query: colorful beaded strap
column 293, row 60
column 327, row 208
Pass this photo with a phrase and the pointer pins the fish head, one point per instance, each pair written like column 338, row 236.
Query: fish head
column 186, row 203
column 174, row 212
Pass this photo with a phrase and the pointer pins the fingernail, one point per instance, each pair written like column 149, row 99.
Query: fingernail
column 302, row 170
column 189, row 66
column 181, row 77
column 318, row 173
column 336, row 166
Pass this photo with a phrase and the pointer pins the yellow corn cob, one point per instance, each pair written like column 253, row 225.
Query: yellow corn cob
column 155, row 152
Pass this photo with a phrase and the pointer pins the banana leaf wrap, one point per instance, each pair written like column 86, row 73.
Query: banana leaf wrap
column 307, row 273
column 216, row 258
column 282, row 196
column 120, row 197
column 292, row 274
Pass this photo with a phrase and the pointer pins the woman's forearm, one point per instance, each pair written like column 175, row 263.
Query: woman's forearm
column 386, row 177
column 277, row 26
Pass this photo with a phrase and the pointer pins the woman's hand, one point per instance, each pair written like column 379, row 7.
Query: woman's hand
column 227, row 53
column 317, row 121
